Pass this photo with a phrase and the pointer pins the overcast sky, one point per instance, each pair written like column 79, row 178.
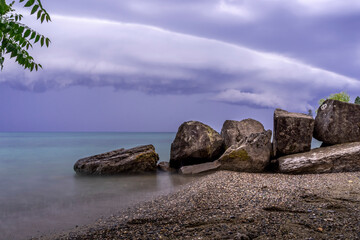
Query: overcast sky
column 150, row 65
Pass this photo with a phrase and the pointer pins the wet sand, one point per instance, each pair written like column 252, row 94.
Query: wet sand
column 232, row 205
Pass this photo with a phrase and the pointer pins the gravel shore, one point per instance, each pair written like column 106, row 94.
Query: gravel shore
column 232, row 205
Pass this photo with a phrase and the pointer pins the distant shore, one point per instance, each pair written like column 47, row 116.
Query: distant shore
column 233, row 205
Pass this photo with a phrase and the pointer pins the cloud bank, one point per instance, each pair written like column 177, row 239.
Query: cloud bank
column 93, row 52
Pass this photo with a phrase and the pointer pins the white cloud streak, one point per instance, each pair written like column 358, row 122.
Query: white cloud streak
column 96, row 52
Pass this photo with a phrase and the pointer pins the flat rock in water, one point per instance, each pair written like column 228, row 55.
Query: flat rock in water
column 292, row 132
column 135, row 160
column 337, row 122
column 234, row 132
column 338, row 158
column 250, row 155
column 195, row 143
column 199, row 168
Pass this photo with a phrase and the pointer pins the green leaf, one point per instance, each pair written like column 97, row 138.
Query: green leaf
column 21, row 29
column 37, row 38
column 43, row 18
column 34, row 9
column 33, row 35
column 27, row 33
column 29, row 3
column 13, row 54
column 21, row 1
column 42, row 41
column 47, row 41
column 39, row 14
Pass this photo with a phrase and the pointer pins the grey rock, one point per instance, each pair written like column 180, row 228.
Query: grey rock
column 195, row 143
column 165, row 167
column 200, row 168
column 135, row 160
column 292, row 132
column 250, row 155
column 337, row 122
column 338, row 158
column 234, row 132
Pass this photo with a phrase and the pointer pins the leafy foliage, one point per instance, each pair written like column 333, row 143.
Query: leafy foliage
column 357, row 100
column 16, row 38
column 342, row 96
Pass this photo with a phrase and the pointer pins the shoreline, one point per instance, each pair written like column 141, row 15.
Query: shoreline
column 236, row 205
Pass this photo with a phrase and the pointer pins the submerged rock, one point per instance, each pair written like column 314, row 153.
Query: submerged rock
column 292, row 132
column 250, row 155
column 337, row 122
column 338, row 158
column 200, row 168
column 165, row 167
column 234, row 132
column 195, row 143
column 135, row 160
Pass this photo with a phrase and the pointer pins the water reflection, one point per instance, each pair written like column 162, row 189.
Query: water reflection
column 80, row 200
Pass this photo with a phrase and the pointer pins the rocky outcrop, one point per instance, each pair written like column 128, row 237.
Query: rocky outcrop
column 337, row 122
column 195, row 143
column 200, row 168
column 165, row 167
column 338, row 158
column 234, row 132
column 292, row 132
column 135, row 160
column 250, row 155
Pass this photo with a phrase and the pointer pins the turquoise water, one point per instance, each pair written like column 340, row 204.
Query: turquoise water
column 40, row 192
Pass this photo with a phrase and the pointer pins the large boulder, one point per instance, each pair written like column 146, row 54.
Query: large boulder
column 292, row 132
column 195, row 143
column 135, row 160
column 338, row 158
column 337, row 122
column 250, row 155
column 200, row 168
column 236, row 131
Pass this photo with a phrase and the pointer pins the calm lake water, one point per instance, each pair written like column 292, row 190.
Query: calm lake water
column 40, row 193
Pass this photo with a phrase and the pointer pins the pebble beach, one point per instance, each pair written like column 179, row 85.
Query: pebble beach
column 234, row 205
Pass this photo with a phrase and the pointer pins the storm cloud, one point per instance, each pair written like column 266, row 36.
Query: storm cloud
column 95, row 52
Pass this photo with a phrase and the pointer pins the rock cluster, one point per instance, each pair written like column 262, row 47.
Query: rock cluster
column 242, row 146
column 337, row 125
column 246, row 146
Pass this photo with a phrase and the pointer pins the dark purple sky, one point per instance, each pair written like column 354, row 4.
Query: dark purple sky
column 150, row 65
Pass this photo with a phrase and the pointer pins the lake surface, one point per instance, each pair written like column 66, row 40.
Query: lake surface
column 40, row 192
